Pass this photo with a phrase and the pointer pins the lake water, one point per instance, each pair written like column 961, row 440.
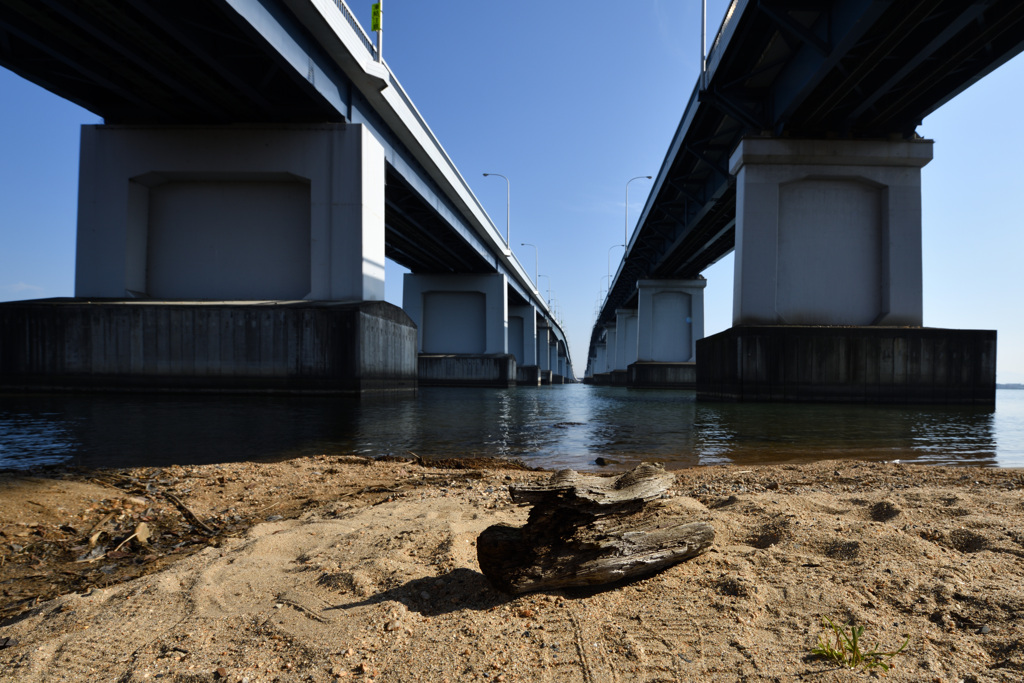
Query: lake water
column 557, row 426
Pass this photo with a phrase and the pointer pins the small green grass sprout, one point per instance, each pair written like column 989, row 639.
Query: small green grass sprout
column 845, row 648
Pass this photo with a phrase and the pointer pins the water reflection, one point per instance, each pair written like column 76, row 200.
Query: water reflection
column 749, row 433
column 566, row 426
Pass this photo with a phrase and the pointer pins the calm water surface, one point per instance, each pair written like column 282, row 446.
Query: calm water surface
column 559, row 426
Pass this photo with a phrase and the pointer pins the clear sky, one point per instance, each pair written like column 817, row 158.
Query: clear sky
column 570, row 100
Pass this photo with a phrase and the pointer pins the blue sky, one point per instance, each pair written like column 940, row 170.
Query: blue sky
column 570, row 100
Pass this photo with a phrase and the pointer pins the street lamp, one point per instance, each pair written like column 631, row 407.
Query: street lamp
column 508, row 205
column 625, row 228
column 536, row 264
column 614, row 246
column 549, row 287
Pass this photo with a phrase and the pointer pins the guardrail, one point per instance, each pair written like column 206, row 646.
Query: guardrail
column 356, row 26
column 731, row 15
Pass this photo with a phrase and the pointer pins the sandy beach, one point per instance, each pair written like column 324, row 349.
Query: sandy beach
column 341, row 568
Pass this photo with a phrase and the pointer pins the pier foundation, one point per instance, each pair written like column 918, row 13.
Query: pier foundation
column 467, row 370
column 528, row 376
column 651, row 375
column 848, row 364
column 251, row 347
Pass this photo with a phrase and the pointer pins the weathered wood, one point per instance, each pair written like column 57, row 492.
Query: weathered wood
column 587, row 531
column 571, row 489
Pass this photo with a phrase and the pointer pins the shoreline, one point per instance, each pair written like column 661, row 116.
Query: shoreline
column 336, row 567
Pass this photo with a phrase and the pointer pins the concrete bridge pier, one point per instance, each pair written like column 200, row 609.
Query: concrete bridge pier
column 554, row 366
column 233, row 258
column 545, row 335
column 562, row 354
column 626, row 327
column 598, row 368
column 522, row 343
column 828, row 284
column 669, row 320
column 605, row 373
column 462, row 323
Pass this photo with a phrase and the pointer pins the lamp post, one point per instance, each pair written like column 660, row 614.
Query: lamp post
column 508, row 206
column 703, row 45
column 536, row 264
column 549, row 287
column 614, row 246
column 625, row 228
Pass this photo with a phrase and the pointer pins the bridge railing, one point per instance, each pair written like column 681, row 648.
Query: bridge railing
column 732, row 14
column 356, row 26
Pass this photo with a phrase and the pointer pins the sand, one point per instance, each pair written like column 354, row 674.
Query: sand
column 340, row 568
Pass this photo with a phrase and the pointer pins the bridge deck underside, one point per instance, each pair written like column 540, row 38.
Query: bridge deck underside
column 190, row 61
column 417, row 237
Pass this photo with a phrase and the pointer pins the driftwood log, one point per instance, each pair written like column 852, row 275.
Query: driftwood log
column 589, row 530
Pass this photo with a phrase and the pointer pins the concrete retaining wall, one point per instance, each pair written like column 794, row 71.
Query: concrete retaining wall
column 848, row 364
column 207, row 346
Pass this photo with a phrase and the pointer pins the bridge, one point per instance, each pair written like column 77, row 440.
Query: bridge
column 257, row 163
column 798, row 150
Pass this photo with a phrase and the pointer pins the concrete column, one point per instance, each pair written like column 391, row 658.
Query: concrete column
column 458, row 314
column 610, row 353
column 625, row 337
column 601, row 358
column 543, row 358
column 828, row 232
column 522, row 334
column 276, row 212
column 670, row 320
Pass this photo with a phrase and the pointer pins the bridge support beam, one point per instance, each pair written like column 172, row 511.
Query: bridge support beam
column 463, row 329
column 828, row 286
column 670, row 320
